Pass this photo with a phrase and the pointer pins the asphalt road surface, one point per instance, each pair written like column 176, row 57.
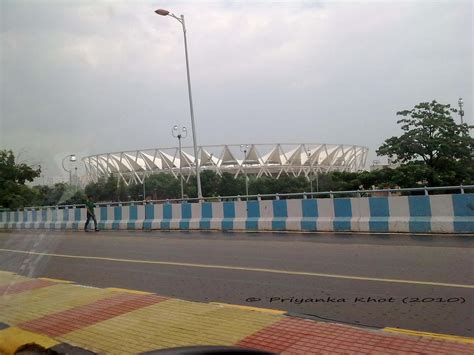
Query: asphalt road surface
column 423, row 282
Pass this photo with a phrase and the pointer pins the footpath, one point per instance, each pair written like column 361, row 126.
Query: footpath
column 72, row 319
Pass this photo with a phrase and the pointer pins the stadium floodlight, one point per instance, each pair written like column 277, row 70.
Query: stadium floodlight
column 180, row 19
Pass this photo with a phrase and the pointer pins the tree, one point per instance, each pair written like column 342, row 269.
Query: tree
column 13, row 176
column 122, row 191
column 105, row 189
column 110, row 192
column 228, row 186
column 209, row 183
column 157, row 187
column 432, row 136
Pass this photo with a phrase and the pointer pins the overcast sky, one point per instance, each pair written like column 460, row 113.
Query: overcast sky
column 89, row 77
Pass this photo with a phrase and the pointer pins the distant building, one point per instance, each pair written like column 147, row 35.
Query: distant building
column 376, row 165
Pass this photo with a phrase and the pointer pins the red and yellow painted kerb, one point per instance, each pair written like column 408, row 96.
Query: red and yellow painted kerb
column 52, row 313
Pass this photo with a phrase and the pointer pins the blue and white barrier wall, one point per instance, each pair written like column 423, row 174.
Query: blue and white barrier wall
column 413, row 214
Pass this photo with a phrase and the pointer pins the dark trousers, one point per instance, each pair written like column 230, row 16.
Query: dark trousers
column 89, row 216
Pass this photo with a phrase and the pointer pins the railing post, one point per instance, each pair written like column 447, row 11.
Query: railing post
column 277, row 197
column 259, row 198
column 462, row 189
column 426, row 191
column 304, row 196
column 238, row 198
column 331, row 194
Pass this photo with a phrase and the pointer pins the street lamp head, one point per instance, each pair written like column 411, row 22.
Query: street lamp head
column 175, row 127
column 72, row 158
column 162, row 12
column 460, row 102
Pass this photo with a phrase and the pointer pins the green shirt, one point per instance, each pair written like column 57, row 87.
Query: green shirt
column 90, row 206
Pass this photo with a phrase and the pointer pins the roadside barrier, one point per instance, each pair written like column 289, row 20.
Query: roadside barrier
column 412, row 214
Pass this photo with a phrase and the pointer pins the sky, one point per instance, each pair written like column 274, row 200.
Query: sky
column 88, row 77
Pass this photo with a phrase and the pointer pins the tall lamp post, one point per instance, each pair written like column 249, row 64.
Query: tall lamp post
column 76, row 179
column 310, row 171
column 72, row 159
column 244, row 148
column 461, row 111
column 180, row 133
column 193, row 127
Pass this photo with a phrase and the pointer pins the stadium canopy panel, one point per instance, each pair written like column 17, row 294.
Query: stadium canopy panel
column 272, row 160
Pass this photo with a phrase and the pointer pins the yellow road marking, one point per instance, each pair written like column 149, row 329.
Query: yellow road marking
column 171, row 323
column 128, row 291
column 432, row 335
column 247, row 308
column 241, row 268
column 56, row 280
column 12, row 338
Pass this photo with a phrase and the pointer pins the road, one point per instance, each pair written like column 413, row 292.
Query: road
column 423, row 283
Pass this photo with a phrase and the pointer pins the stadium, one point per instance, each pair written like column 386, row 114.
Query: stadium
column 252, row 159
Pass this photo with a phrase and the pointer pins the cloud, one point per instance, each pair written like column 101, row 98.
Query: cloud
column 105, row 76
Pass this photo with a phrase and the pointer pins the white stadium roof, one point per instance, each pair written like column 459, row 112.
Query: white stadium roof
column 259, row 159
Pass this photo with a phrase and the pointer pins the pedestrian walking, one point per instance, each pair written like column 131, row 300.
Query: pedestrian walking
column 90, row 213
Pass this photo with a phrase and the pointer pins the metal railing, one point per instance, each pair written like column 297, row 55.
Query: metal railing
column 304, row 195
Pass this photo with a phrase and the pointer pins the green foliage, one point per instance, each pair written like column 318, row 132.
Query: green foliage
column 13, row 176
column 162, row 186
column 228, row 186
column 106, row 189
column 59, row 194
column 432, row 136
column 284, row 184
column 122, row 191
column 209, row 183
column 157, row 187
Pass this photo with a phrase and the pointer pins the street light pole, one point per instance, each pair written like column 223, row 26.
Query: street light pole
column 180, row 133
column 310, row 172
column 72, row 159
column 461, row 111
column 243, row 148
column 193, row 127
column 317, row 181
column 76, row 182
